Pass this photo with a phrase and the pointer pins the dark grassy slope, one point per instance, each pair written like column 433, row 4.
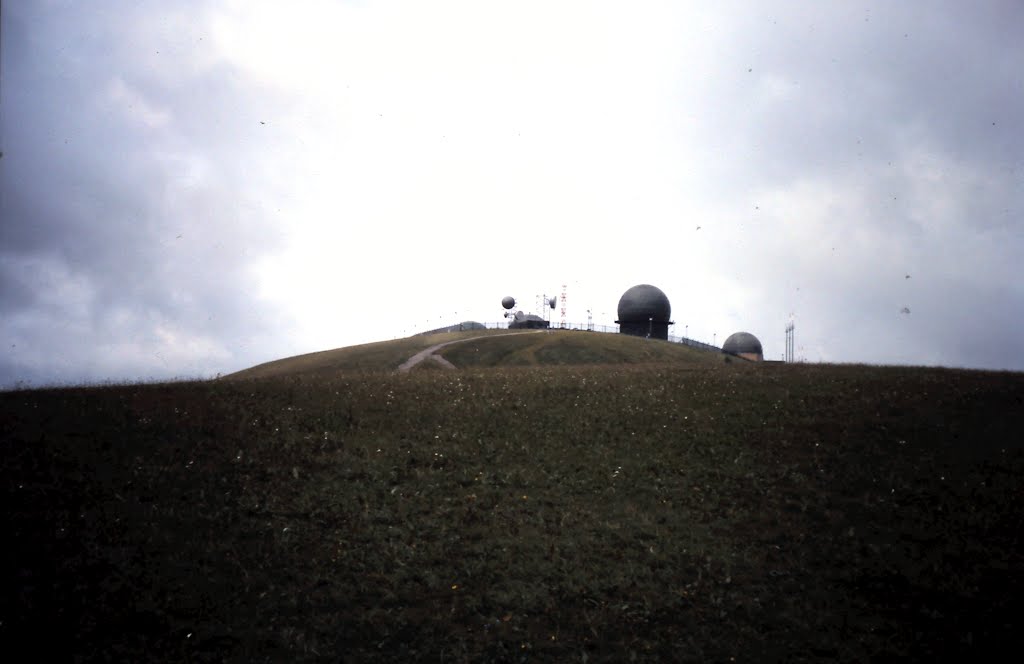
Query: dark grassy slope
column 489, row 348
column 563, row 347
column 377, row 356
column 540, row 514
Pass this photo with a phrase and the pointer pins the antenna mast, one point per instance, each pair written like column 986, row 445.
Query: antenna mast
column 563, row 306
column 789, row 341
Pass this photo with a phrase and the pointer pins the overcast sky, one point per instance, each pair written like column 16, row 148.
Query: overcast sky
column 190, row 188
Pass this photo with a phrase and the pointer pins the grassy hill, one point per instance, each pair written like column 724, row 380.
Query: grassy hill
column 490, row 348
column 565, row 347
column 377, row 356
column 594, row 513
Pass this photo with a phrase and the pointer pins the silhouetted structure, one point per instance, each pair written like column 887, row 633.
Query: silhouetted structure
column 745, row 345
column 521, row 321
column 644, row 311
column 458, row 327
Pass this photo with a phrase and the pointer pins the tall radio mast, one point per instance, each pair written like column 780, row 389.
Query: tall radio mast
column 563, row 306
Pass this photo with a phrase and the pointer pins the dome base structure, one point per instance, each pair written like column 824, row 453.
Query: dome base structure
column 650, row 329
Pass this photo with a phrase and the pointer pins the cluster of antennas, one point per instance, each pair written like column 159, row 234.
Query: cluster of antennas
column 508, row 302
column 521, row 320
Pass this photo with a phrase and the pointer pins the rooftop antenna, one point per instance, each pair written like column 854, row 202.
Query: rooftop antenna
column 508, row 302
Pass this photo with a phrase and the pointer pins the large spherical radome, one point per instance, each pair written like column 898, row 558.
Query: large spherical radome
column 742, row 342
column 643, row 303
column 508, row 302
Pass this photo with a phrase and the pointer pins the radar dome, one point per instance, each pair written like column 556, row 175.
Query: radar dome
column 643, row 302
column 644, row 310
column 745, row 345
column 508, row 301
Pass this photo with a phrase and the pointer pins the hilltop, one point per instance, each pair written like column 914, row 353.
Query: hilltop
column 492, row 348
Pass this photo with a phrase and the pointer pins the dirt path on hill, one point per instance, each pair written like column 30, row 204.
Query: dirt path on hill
column 428, row 353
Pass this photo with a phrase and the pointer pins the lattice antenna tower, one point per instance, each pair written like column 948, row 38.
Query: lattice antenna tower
column 563, row 306
column 547, row 304
column 789, row 341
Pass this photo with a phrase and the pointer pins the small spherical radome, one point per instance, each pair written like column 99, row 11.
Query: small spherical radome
column 642, row 303
column 508, row 302
column 742, row 342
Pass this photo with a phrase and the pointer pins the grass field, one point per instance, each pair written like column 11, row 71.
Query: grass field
column 668, row 510
column 381, row 355
column 562, row 347
column 489, row 348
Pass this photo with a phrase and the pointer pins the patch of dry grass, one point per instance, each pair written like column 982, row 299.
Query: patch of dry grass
column 377, row 356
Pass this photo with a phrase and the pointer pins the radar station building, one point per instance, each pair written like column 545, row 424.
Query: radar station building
column 644, row 311
column 521, row 321
column 745, row 345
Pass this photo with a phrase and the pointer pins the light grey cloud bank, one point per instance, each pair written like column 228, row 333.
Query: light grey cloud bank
column 194, row 189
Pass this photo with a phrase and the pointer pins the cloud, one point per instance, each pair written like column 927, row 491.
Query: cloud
column 131, row 228
column 202, row 187
column 135, row 106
